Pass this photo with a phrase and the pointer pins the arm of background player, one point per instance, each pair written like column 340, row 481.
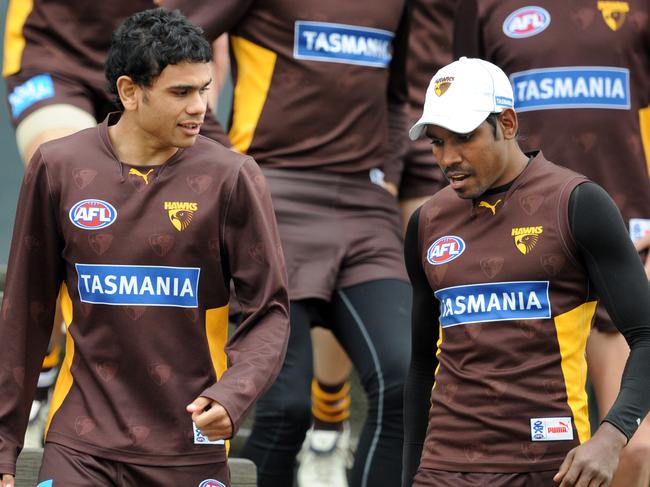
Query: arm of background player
column 397, row 105
column 424, row 337
column 466, row 41
column 617, row 273
column 34, row 275
column 256, row 350
column 220, row 69
column 214, row 18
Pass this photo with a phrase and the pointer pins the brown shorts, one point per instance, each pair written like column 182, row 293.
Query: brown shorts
column 65, row 467
column 337, row 230
column 441, row 478
column 30, row 90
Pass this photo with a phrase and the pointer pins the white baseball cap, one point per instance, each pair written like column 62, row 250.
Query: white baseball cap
column 462, row 94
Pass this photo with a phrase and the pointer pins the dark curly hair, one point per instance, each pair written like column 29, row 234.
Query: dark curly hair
column 150, row 40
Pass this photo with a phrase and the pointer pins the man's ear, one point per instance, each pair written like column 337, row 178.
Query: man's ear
column 509, row 123
column 128, row 92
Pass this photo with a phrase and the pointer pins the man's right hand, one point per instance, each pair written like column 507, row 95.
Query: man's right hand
column 7, row 480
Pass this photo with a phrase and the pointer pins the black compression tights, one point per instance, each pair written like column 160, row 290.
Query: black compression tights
column 372, row 323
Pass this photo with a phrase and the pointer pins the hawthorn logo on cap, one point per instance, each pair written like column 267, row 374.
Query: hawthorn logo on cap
column 441, row 85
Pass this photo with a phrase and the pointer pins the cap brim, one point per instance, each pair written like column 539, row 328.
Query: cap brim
column 461, row 124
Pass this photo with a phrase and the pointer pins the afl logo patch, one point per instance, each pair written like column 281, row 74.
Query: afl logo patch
column 445, row 249
column 92, row 214
column 211, row 483
column 526, row 22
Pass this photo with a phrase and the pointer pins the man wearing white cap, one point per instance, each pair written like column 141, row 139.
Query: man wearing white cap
column 515, row 251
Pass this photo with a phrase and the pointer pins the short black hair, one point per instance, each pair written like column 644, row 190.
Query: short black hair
column 148, row 41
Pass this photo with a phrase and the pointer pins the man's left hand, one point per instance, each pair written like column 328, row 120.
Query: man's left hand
column 211, row 418
column 593, row 463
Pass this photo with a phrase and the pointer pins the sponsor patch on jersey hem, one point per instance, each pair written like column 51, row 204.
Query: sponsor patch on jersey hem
column 639, row 228
column 551, row 429
column 201, row 439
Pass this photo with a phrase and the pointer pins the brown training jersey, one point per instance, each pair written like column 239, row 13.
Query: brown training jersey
column 515, row 312
column 49, row 43
column 313, row 79
column 62, row 35
column 430, row 37
column 580, row 70
column 143, row 257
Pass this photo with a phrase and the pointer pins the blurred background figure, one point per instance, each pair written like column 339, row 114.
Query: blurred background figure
column 320, row 102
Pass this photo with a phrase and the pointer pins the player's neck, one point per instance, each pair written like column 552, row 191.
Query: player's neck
column 135, row 146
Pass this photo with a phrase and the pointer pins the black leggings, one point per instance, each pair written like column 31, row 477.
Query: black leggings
column 372, row 323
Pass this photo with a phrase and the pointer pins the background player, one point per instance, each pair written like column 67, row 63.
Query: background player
column 509, row 403
column 430, row 38
column 596, row 132
column 145, row 396
column 54, row 57
column 329, row 171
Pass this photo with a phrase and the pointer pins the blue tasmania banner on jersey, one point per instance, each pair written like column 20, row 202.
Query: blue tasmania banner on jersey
column 496, row 301
column 34, row 89
column 572, row 87
column 126, row 285
column 339, row 43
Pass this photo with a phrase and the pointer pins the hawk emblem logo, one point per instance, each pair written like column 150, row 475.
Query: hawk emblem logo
column 441, row 85
column 526, row 238
column 180, row 219
column 180, row 213
column 614, row 13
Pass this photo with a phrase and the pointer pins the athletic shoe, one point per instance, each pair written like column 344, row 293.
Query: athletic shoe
column 325, row 458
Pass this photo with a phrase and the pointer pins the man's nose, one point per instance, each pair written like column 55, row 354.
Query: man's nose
column 197, row 104
column 448, row 155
